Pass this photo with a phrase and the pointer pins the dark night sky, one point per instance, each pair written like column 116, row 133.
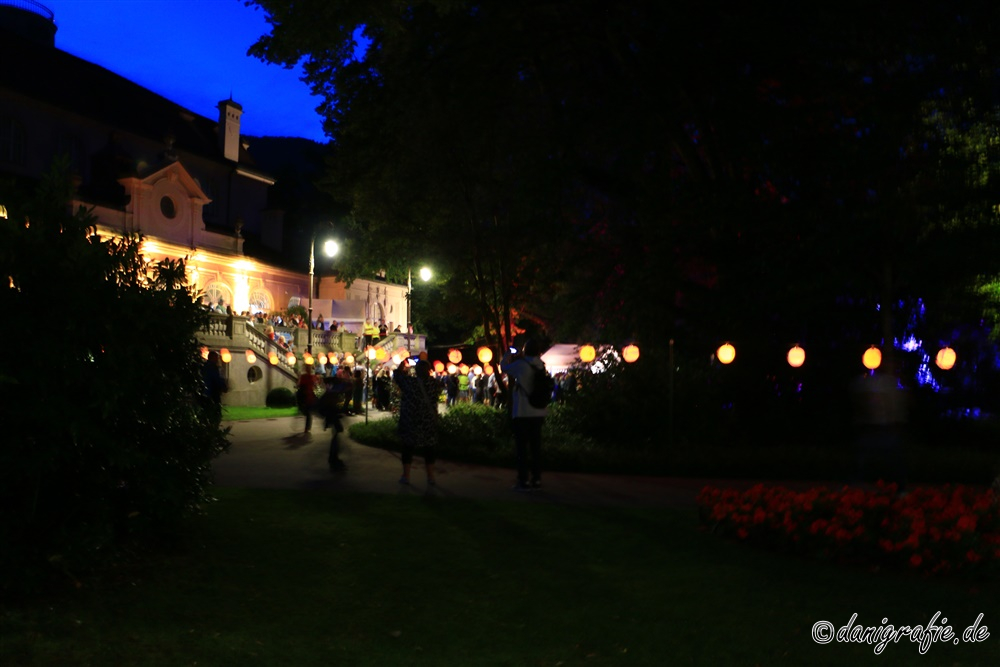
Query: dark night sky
column 192, row 52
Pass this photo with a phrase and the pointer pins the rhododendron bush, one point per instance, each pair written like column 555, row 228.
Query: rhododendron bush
column 932, row 530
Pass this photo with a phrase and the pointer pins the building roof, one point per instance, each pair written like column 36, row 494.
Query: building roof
column 62, row 80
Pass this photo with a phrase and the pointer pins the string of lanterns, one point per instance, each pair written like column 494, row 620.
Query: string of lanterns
column 871, row 359
column 725, row 354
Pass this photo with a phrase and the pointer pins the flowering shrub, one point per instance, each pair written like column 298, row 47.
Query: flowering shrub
column 930, row 530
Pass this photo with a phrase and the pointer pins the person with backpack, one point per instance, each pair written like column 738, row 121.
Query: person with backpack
column 530, row 388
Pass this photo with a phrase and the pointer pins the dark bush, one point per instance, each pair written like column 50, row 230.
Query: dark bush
column 280, row 397
column 110, row 437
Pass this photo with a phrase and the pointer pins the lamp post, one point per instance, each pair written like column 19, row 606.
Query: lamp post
column 331, row 248
column 425, row 275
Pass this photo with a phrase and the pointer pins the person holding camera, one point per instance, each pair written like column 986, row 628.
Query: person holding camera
column 526, row 420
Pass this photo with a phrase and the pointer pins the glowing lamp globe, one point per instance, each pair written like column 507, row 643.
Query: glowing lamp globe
column 484, row 354
column 272, row 358
column 872, row 358
column 587, row 354
column 307, row 359
column 349, row 359
column 463, row 369
column 488, row 369
column 726, row 353
column 290, row 358
column 225, row 356
column 370, row 352
column 380, row 354
column 251, row 357
column 452, row 369
column 322, row 359
column 477, row 370
column 396, row 359
column 454, row 356
column 630, row 354
column 438, row 366
column 796, row 357
column 945, row 358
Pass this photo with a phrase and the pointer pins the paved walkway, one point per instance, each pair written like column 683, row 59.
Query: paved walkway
column 273, row 454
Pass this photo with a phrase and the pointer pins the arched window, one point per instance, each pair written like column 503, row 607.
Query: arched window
column 219, row 290
column 11, row 140
column 260, row 301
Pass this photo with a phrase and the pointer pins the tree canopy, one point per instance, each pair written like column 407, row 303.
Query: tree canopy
column 620, row 171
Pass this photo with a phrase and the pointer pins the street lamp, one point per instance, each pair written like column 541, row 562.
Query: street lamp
column 425, row 275
column 331, row 248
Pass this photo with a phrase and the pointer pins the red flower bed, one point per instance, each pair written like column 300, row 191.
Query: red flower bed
column 932, row 530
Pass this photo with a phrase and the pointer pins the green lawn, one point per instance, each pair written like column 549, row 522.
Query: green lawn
column 298, row 578
column 241, row 412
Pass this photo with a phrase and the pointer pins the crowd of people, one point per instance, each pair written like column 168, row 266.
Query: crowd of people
column 414, row 390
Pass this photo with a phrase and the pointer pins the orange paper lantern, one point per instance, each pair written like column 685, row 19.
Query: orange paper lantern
column 438, row 366
column 454, row 356
column 251, row 357
column 484, row 354
column 587, row 354
column 945, row 358
column 872, row 358
column 290, row 358
column 225, row 356
column 630, row 353
column 273, row 358
column 726, row 353
column 796, row 357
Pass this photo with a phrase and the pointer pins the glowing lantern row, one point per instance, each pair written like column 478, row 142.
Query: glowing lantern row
column 251, row 357
column 945, row 358
column 454, row 356
column 272, row 358
column 726, row 353
column 796, row 357
column 290, row 358
column 630, row 353
column 872, row 358
column 484, row 354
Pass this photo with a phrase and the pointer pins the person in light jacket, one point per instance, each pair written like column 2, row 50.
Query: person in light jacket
column 526, row 420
